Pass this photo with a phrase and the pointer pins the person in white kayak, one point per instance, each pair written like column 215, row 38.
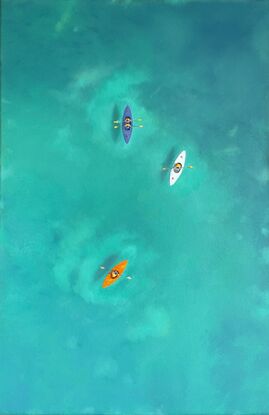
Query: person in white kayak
column 177, row 167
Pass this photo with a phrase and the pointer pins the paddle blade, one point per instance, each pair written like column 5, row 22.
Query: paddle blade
column 116, row 126
column 190, row 167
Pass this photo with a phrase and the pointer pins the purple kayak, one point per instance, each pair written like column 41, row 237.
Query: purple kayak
column 127, row 130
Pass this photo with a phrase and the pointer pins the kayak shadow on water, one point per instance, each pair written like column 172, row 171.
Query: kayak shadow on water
column 115, row 116
column 168, row 161
column 108, row 263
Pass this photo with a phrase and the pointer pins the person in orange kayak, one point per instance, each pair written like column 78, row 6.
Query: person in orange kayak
column 114, row 273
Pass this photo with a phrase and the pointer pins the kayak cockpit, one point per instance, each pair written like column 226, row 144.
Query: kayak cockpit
column 177, row 167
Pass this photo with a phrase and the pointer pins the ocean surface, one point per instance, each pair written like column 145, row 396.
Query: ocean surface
column 189, row 333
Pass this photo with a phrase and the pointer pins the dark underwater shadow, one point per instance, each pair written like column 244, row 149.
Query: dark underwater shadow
column 115, row 131
column 108, row 263
column 168, row 161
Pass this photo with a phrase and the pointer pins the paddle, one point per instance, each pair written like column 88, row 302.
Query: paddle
column 117, row 122
column 128, row 277
column 135, row 119
column 133, row 126
column 170, row 168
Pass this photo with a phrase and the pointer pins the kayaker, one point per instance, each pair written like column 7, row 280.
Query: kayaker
column 177, row 167
column 114, row 273
column 127, row 123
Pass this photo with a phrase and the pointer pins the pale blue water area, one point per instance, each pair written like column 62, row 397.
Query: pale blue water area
column 189, row 333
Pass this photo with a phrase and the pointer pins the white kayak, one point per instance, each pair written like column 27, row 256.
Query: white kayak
column 178, row 167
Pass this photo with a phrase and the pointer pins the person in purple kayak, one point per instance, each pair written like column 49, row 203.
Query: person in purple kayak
column 127, row 123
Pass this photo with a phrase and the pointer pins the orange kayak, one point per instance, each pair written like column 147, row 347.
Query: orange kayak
column 114, row 274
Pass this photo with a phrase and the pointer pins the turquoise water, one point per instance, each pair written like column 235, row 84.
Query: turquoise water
column 189, row 332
